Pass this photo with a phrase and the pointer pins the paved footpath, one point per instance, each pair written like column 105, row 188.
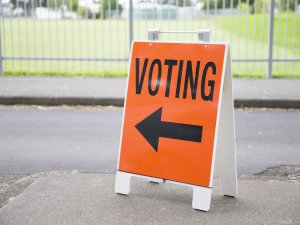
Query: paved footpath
column 281, row 93
column 73, row 198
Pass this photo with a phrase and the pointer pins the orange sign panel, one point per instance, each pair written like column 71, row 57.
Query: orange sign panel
column 171, row 109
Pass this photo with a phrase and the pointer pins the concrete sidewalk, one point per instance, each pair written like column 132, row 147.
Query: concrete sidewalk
column 89, row 199
column 281, row 93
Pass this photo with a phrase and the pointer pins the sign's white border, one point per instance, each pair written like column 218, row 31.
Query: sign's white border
column 226, row 167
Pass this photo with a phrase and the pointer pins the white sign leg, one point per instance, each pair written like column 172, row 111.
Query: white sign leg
column 122, row 185
column 201, row 198
column 225, row 152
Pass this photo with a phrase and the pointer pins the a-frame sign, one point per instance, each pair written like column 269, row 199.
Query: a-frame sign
column 178, row 123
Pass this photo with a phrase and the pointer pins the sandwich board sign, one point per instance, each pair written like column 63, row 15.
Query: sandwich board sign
column 178, row 123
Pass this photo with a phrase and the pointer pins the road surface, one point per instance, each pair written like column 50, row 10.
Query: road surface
column 39, row 139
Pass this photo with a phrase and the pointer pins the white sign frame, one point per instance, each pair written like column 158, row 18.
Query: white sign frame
column 224, row 153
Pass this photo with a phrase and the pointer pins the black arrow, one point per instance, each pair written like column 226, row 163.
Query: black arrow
column 152, row 128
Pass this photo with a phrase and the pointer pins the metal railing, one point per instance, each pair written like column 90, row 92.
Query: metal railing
column 94, row 37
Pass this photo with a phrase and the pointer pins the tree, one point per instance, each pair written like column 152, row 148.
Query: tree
column 107, row 6
column 284, row 4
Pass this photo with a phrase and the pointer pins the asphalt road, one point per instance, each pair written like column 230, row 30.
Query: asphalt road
column 42, row 139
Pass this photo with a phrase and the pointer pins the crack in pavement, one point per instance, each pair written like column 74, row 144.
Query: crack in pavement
column 12, row 185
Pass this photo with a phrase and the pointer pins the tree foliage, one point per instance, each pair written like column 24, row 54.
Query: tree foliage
column 281, row 5
column 109, row 5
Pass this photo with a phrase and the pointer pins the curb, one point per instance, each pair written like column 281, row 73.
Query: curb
column 267, row 103
column 57, row 101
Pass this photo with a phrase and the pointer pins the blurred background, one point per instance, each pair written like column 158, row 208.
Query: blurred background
column 93, row 37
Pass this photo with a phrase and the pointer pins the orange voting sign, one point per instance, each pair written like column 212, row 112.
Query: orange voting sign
column 172, row 112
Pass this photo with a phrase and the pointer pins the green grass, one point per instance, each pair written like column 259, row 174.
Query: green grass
column 110, row 39
column 66, row 73
column 285, row 36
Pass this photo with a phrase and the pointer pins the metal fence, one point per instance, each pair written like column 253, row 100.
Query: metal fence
column 90, row 37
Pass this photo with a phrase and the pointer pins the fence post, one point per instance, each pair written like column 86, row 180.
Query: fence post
column 1, row 57
column 130, row 23
column 271, row 35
